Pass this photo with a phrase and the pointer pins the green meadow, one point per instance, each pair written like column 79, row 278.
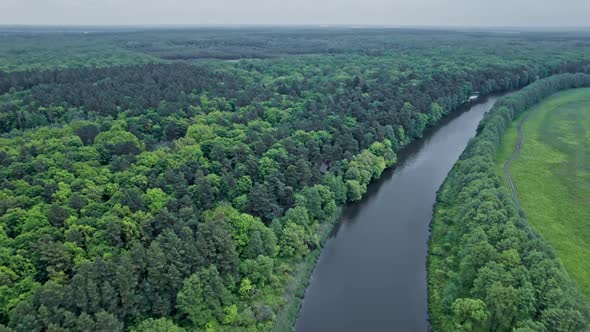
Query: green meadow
column 552, row 176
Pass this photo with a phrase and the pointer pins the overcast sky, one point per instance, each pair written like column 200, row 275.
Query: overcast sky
column 289, row 12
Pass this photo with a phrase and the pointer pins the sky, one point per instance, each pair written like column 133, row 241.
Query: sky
column 539, row 13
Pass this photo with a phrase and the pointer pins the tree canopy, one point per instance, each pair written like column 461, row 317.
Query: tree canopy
column 488, row 269
column 142, row 190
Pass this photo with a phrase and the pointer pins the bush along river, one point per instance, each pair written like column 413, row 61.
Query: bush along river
column 371, row 274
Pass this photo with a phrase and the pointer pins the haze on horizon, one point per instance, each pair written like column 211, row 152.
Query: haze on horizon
column 565, row 13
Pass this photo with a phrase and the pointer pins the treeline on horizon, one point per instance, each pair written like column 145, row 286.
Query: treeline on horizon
column 35, row 50
column 488, row 269
column 170, row 196
column 259, row 43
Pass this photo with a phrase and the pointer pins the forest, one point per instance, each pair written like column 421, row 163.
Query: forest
column 145, row 189
column 489, row 270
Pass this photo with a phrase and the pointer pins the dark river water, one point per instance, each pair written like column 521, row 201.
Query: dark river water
column 371, row 274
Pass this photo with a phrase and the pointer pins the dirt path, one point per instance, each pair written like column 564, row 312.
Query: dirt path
column 512, row 157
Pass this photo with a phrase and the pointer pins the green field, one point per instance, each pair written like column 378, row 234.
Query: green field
column 552, row 176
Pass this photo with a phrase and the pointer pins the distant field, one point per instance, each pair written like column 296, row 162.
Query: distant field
column 552, row 177
column 38, row 52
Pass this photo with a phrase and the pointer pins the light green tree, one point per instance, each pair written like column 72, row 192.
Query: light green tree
column 469, row 314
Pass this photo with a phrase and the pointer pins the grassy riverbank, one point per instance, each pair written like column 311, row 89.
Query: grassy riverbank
column 552, row 177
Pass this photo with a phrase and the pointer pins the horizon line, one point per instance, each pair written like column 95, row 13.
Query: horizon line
column 315, row 25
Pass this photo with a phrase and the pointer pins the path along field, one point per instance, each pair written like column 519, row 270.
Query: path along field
column 551, row 175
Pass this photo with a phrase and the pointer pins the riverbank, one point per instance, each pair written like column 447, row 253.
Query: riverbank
column 350, row 281
column 488, row 269
column 285, row 320
column 552, row 177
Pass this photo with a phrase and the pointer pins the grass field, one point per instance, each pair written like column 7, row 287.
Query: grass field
column 552, row 177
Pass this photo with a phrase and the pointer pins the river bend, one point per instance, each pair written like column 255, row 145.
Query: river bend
column 371, row 274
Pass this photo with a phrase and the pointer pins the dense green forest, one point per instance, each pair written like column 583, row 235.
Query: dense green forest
column 143, row 190
column 488, row 269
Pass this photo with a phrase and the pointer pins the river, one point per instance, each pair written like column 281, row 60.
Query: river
column 371, row 274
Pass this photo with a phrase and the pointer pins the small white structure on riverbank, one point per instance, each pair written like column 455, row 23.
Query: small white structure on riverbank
column 473, row 97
